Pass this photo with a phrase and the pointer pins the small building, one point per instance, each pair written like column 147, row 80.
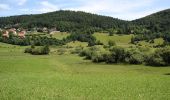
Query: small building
column 13, row 31
column 5, row 34
column 45, row 30
column 21, row 34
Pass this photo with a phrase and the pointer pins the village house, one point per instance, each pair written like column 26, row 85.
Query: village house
column 53, row 31
column 45, row 30
column 13, row 31
column 21, row 34
column 5, row 34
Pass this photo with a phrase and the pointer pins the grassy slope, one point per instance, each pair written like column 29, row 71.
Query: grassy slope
column 65, row 77
column 158, row 41
column 60, row 35
column 122, row 40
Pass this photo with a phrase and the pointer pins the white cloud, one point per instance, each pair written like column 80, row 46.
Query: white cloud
column 47, row 7
column 21, row 2
column 123, row 9
column 115, row 7
column 136, row 15
column 4, row 7
column 44, row 7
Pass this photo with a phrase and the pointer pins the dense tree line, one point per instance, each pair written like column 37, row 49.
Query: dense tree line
column 72, row 21
column 63, row 21
column 115, row 54
column 149, row 37
column 41, row 50
column 83, row 37
column 28, row 40
column 158, row 22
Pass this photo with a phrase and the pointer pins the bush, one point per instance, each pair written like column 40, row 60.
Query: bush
column 88, row 52
column 61, row 51
column 44, row 50
column 36, row 51
column 117, row 55
column 77, row 50
column 161, row 57
column 28, row 50
column 99, row 43
column 99, row 56
column 134, row 56
column 154, row 60
column 111, row 43
column 165, row 54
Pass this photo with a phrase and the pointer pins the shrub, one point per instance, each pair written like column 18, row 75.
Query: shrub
column 28, row 50
column 77, row 50
column 154, row 60
column 36, row 51
column 161, row 57
column 88, row 52
column 117, row 55
column 111, row 43
column 99, row 43
column 61, row 51
column 134, row 56
column 99, row 56
column 44, row 50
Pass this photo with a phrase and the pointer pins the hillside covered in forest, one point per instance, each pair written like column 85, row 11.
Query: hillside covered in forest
column 63, row 21
column 157, row 22
column 72, row 21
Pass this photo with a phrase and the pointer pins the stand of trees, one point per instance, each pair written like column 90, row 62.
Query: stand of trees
column 115, row 54
column 42, row 50
column 37, row 40
column 63, row 21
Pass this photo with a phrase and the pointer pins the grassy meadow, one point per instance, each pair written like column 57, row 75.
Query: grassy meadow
column 60, row 35
column 125, row 40
column 122, row 40
column 69, row 77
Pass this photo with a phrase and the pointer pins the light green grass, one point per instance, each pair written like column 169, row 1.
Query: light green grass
column 158, row 41
column 69, row 77
column 121, row 40
column 77, row 44
column 60, row 35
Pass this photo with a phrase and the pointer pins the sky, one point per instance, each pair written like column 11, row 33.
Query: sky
column 122, row 9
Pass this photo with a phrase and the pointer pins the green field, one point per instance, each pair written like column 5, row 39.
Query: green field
column 60, row 35
column 122, row 40
column 69, row 77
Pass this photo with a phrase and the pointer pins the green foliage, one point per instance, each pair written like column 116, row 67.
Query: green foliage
column 98, row 42
column 117, row 55
column 90, row 51
column 99, row 56
column 134, row 56
column 44, row 50
column 83, row 37
column 61, row 51
column 160, row 57
column 77, row 50
column 37, row 40
column 154, row 60
column 63, row 21
column 0, row 33
column 111, row 43
column 158, row 22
